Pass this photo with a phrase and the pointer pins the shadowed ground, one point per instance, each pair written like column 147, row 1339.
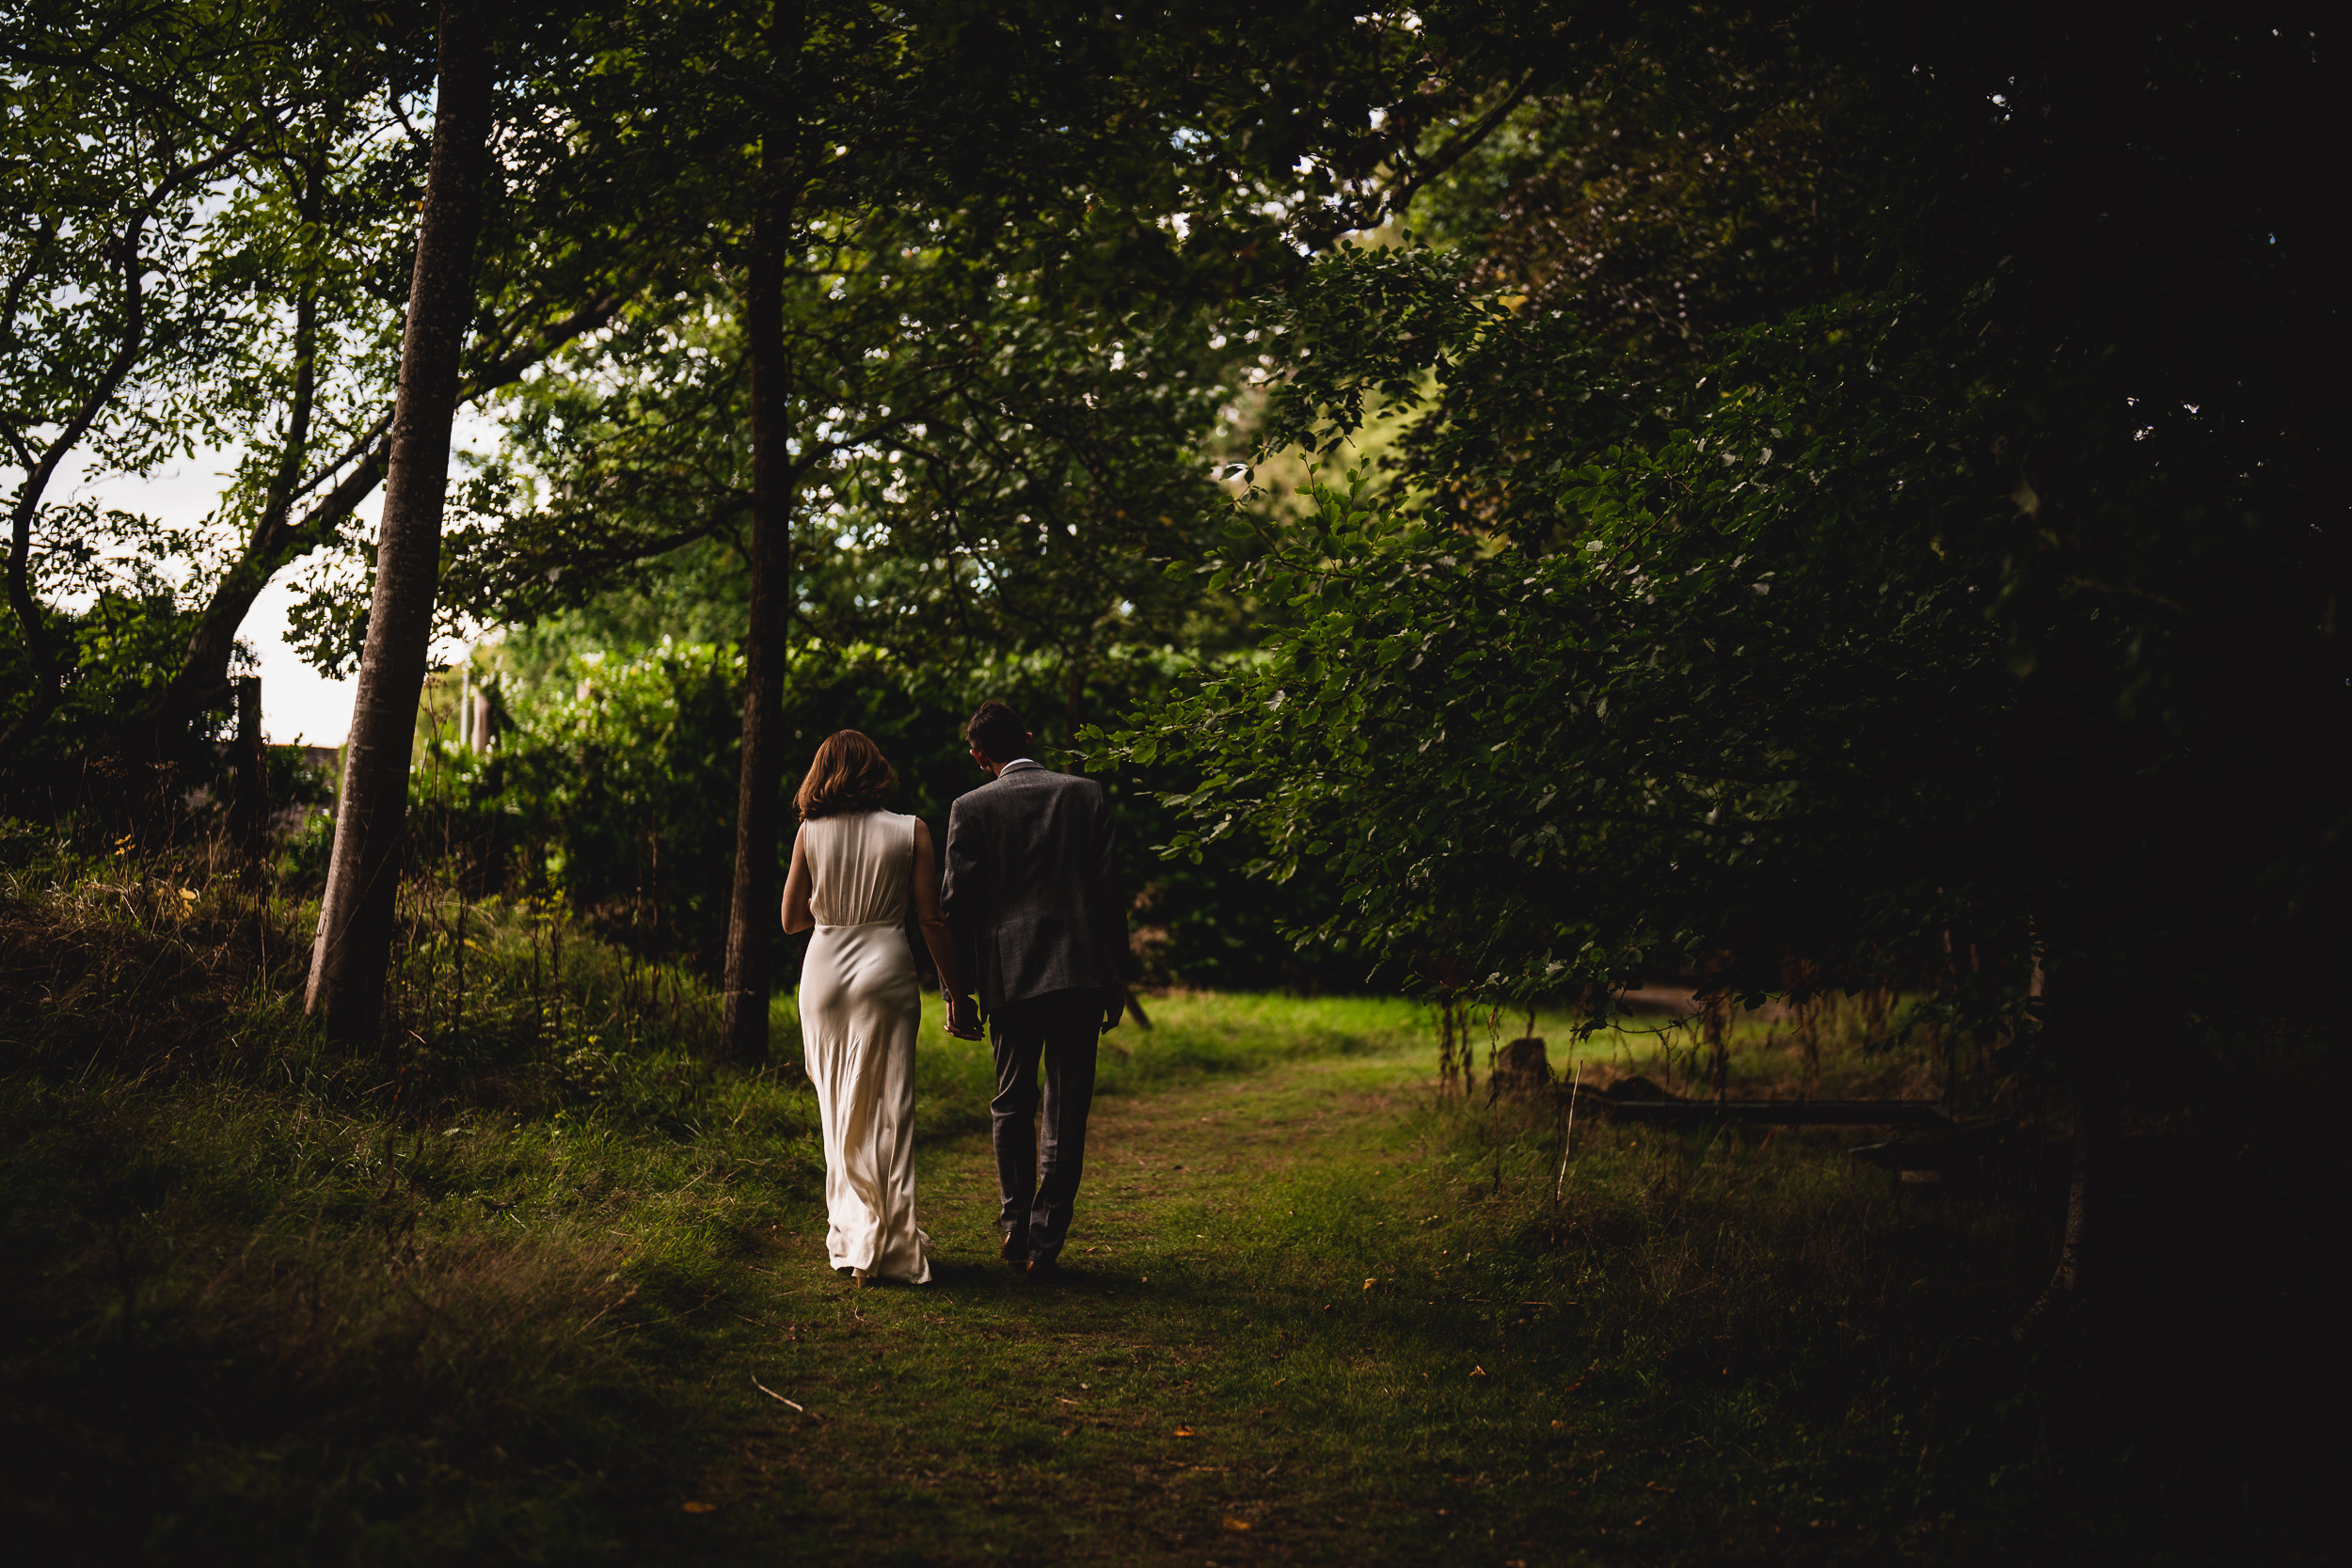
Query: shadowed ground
column 1313, row 1311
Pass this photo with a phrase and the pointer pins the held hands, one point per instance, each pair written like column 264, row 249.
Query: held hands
column 962, row 1021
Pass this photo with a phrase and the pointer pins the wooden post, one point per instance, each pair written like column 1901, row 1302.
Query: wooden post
column 248, row 821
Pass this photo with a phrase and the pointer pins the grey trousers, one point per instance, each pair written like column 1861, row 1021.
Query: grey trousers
column 1039, row 1174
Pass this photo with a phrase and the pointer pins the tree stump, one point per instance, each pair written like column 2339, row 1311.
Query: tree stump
column 1521, row 1069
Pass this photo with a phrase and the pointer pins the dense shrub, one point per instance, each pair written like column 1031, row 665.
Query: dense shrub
column 610, row 788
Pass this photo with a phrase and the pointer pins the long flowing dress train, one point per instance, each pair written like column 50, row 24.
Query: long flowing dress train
column 860, row 1008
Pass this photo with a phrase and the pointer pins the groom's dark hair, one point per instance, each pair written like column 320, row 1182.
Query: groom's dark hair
column 997, row 733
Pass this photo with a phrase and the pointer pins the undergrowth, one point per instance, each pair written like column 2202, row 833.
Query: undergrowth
column 270, row 1292
column 266, row 1290
column 500, row 1288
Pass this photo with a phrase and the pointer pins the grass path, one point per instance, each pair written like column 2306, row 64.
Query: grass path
column 1266, row 1347
column 1310, row 1314
column 253, row 1296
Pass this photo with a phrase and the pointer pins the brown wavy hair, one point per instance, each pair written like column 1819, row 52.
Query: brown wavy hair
column 847, row 776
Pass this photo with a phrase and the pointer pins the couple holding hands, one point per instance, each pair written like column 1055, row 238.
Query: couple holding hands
column 1026, row 909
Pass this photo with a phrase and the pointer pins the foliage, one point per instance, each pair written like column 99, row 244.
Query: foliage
column 1884, row 637
column 120, row 653
column 192, row 188
column 290, row 167
column 1681, row 178
column 1669, row 741
column 609, row 792
column 992, row 228
column 1005, row 495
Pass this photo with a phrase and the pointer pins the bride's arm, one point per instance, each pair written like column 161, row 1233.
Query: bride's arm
column 798, row 917
column 936, row 935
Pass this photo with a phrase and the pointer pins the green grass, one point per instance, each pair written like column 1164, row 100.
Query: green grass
column 259, row 1304
column 1193, row 1038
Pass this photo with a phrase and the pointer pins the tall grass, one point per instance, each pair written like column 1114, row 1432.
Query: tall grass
column 265, row 1291
column 1808, row 1334
column 462, row 1295
column 436, row 1295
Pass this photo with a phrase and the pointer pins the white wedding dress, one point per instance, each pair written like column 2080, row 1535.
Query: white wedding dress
column 860, row 1008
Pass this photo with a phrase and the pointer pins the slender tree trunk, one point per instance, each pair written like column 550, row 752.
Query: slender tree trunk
column 353, row 945
column 753, row 916
column 205, row 668
column 752, row 912
column 280, row 537
column 2098, row 1125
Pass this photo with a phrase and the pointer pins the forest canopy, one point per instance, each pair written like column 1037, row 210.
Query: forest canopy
column 1516, row 500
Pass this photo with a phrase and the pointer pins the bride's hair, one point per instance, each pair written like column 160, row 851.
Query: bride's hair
column 848, row 775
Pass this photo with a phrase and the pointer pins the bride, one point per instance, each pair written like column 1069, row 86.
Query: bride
column 853, row 867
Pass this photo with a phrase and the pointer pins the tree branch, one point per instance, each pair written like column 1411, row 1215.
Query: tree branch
column 1453, row 151
column 48, row 680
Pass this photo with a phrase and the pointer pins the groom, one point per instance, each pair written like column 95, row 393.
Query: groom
column 1037, row 919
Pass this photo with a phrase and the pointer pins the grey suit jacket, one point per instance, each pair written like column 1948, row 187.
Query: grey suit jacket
column 1028, row 890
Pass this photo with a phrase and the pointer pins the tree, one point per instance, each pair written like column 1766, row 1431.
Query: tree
column 595, row 182
column 307, row 240
column 120, row 119
column 353, row 944
column 294, row 275
column 1919, row 618
column 785, row 149
column 942, row 168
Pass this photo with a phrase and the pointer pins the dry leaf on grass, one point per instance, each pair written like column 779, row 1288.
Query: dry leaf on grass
column 1236, row 1524
column 699, row 1507
column 1186, row 1432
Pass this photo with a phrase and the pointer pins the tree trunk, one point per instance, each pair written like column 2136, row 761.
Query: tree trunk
column 353, row 945
column 753, row 914
column 2098, row 1124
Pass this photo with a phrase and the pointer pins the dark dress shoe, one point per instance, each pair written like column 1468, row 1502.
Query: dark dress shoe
column 1015, row 1250
column 1042, row 1271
